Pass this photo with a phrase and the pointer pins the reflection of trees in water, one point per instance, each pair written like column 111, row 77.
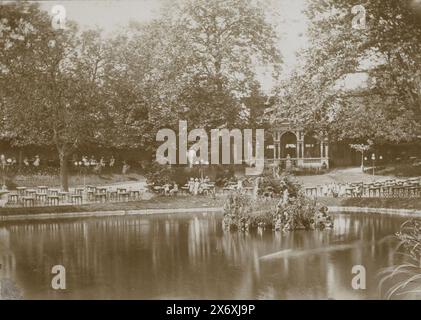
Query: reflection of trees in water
column 7, row 258
column 8, row 287
column 181, row 256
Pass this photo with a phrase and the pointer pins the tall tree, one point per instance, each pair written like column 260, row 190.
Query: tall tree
column 386, row 53
column 198, row 61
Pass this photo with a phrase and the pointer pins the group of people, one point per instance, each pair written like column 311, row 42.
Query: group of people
column 197, row 186
column 170, row 189
column 338, row 190
column 92, row 162
column 36, row 161
column 98, row 165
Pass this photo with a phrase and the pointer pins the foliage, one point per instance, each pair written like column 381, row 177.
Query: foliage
column 301, row 212
column 195, row 62
column 405, row 279
column 362, row 147
column 278, row 185
column 67, row 88
column 292, row 212
column 241, row 212
column 157, row 174
column 50, row 80
column 384, row 60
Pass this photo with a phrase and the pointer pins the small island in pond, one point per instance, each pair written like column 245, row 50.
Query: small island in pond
column 290, row 210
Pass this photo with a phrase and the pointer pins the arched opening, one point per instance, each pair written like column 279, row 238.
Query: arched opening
column 269, row 147
column 311, row 147
column 288, row 145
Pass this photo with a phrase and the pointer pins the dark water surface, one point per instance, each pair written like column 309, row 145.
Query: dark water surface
column 190, row 257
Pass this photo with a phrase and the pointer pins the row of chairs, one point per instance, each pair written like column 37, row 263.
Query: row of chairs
column 42, row 195
column 402, row 188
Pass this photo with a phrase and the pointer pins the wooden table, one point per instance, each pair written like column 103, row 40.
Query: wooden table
column 101, row 190
column 21, row 190
column 42, row 189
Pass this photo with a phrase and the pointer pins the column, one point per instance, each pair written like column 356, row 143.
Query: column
column 322, row 149
column 300, row 145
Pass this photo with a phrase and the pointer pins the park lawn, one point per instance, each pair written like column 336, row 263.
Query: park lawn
column 400, row 170
column 180, row 202
column 158, row 202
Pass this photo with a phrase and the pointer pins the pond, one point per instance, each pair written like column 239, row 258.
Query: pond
column 189, row 256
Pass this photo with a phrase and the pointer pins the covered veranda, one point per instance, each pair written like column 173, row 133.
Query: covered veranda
column 304, row 150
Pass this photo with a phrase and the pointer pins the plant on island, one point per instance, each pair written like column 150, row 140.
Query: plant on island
column 292, row 211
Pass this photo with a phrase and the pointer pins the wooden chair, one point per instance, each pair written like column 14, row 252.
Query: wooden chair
column 134, row 194
column 76, row 199
column 123, row 196
column 13, row 198
column 53, row 200
column 40, row 197
column 112, row 195
column 28, row 201
column 101, row 197
column 21, row 191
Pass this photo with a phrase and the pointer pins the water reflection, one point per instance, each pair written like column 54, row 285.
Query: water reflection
column 190, row 256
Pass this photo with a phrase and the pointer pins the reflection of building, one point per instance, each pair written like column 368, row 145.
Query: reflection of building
column 305, row 150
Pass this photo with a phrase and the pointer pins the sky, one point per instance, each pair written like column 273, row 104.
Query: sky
column 110, row 15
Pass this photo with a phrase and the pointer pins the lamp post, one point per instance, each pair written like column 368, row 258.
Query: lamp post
column 80, row 165
column 3, row 169
column 373, row 159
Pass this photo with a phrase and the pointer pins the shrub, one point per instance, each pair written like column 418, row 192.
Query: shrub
column 293, row 211
column 404, row 278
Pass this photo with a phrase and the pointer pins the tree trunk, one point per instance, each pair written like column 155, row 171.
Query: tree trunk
column 64, row 177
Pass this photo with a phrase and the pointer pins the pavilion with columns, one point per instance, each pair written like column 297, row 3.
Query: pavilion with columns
column 304, row 150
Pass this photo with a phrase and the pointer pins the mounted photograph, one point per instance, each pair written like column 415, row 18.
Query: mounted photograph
column 185, row 150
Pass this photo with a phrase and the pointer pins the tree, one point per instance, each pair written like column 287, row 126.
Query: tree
column 197, row 61
column 50, row 80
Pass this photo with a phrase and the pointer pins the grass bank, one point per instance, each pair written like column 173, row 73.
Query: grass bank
column 391, row 203
column 180, row 202
column 159, row 202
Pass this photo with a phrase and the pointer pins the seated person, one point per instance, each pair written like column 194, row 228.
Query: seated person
column 37, row 161
column 191, row 185
column 167, row 188
column 174, row 190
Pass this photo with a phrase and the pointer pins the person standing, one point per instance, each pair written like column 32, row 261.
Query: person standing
column 36, row 162
column 196, row 186
column 191, row 185
column 112, row 161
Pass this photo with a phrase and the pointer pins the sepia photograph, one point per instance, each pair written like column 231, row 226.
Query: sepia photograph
column 212, row 150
